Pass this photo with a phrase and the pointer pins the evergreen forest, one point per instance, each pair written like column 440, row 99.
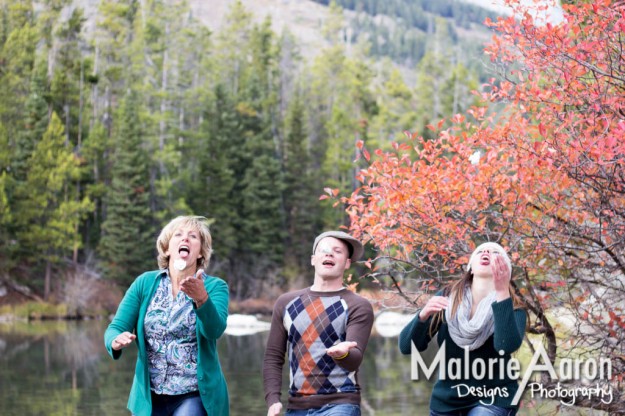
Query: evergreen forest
column 112, row 126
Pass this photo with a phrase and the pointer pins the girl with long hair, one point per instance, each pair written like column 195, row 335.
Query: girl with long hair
column 478, row 317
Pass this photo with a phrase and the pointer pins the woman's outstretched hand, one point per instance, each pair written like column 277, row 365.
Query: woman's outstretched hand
column 123, row 340
column 193, row 286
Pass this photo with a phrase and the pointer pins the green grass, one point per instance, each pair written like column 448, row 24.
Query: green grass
column 35, row 310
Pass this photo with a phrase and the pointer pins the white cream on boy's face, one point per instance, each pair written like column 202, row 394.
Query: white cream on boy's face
column 331, row 258
column 185, row 244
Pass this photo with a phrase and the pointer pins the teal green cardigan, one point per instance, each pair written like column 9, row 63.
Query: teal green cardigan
column 210, row 325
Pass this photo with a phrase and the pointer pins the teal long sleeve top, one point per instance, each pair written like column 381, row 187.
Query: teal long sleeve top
column 210, row 325
column 451, row 395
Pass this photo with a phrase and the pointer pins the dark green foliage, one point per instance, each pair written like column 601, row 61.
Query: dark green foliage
column 96, row 151
column 48, row 218
column 69, row 68
column 127, row 247
column 5, row 207
column 263, row 221
column 17, row 59
column 301, row 205
column 213, row 188
column 35, row 119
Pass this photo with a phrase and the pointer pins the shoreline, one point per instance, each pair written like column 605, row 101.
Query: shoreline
column 16, row 307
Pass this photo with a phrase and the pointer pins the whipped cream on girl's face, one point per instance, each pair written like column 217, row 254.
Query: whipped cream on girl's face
column 180, row 264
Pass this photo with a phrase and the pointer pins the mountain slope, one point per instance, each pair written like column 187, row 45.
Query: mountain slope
column 305, row 19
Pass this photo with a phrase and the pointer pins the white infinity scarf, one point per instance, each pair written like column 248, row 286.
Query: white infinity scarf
column 473, row 332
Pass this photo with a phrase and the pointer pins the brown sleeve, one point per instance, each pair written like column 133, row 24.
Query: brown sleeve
column 275, row 353
column 359, row 323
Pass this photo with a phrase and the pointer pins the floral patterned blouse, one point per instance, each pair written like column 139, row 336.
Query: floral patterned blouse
column 171, row 341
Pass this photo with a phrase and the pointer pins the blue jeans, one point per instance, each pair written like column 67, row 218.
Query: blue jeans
column 479, row 410
column 189, row 404
column 328, row 410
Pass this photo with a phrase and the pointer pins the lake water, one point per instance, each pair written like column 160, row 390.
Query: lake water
column 61, row 368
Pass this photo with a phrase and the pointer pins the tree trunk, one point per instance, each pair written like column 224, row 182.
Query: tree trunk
column 48, row 278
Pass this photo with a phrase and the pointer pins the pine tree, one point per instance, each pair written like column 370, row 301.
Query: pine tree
column 300, row 199
column 34, row 124
column 262, row 212
column 17, row 55
column 232, row 48
column 262, row 207
column 6, row 217
column 154, row 57
column 438, row 89
column 66, row 83
column 48, row 210
column 343, row 104
column 128, row 233
column 96, row 150
column 188, row 145
column 113, row 35
column 35, row 121
column 214, row 189
column 248, row 132
column 396, row 102
column 459, row 86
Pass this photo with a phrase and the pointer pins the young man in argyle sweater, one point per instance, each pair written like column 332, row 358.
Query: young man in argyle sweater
column 323, row 330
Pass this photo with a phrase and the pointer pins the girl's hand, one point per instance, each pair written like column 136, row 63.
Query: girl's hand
column 434, row 305
column 501, row 278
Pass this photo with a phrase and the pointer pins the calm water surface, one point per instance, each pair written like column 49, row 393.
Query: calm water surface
column 62, row 368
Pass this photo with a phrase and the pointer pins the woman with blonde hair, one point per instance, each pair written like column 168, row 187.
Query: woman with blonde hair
column 175, row 314
column 479, row 317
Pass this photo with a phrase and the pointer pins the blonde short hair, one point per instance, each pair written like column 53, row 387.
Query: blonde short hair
column 199, row 224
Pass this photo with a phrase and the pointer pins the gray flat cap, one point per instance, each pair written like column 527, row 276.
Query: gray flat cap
column 356, row 249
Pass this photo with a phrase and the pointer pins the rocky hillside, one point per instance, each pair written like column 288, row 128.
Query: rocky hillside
column 391, row 36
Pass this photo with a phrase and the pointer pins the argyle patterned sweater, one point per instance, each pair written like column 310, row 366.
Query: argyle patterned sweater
column 304, row 325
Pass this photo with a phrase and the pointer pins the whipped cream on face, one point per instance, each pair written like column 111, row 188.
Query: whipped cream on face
column 180, row 264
